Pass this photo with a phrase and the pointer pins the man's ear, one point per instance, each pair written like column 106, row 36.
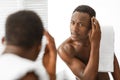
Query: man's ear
column 3, row 41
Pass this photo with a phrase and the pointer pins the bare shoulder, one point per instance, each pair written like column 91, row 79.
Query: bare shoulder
column 66, row 47
column 66, row 50
column 30, row 76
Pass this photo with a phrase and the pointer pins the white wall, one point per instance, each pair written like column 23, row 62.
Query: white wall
column 40, row 7
column 9, row 6
column 60, row 11
column 6, row 7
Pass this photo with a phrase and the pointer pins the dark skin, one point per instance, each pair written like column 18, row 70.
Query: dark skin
column 81, row 51
column 49, row 58
column 30, row 76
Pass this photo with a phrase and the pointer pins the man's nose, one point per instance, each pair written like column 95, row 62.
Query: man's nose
column 75, row 27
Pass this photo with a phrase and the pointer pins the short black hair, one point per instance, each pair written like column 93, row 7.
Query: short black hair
column 24, row 29
column 86, row 9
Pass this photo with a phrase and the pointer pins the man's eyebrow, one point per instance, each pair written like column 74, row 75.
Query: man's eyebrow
column 79, row 21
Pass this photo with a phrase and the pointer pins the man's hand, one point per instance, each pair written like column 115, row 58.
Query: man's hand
column 94, row 36
column 95, row 33
column 49, row 59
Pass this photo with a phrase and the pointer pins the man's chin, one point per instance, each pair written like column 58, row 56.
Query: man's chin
column 74, row 38
column 78, row 38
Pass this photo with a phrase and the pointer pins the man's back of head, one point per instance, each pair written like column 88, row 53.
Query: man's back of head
column 23, row 29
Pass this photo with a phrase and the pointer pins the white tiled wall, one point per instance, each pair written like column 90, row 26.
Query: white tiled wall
column 6, row 7
column 9, row 6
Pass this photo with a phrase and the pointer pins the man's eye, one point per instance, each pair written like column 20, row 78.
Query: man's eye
column 72, row 22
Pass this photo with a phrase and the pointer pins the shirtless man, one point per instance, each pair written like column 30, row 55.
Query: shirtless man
column 23, row 38
column 81, row 50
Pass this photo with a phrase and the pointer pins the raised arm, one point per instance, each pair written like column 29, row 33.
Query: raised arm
column 116, row 73
column 49, row 59
column 82, row 71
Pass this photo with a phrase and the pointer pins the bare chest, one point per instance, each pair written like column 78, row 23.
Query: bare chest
column 82, row 53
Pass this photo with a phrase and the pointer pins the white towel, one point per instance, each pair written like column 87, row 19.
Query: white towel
column 14, row 67
column 106, row 49
column 42, row 51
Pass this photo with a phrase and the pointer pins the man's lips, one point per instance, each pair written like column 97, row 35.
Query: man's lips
column 74, row 35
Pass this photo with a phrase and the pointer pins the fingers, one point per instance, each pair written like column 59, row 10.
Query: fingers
column 95, row 24
column 95, row 33
column 89, row 34
column 51, row 42
column 48, row 36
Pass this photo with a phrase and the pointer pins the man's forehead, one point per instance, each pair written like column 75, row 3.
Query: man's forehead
column 80, row 16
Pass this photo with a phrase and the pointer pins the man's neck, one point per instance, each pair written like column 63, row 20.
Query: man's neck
column 84, row 42
column 28, row 54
